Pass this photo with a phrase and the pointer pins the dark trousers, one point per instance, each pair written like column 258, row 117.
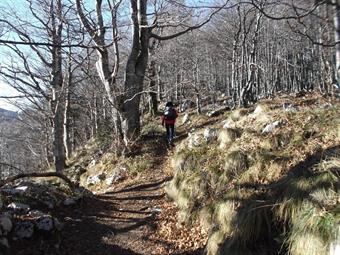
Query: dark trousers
column 170, row 132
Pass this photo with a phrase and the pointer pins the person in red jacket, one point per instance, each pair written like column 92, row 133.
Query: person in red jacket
column 168, row 120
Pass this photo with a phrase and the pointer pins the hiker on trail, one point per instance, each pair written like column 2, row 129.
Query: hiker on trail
column 169, row 119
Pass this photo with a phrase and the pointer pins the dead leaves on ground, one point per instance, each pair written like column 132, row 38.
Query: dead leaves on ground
column 176, row 234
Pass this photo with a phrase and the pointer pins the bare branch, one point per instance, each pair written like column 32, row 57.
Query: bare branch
column 297, row 16
column 168, row 37
column 30, row 175
column 21, row 96
column 51, row 44
column 11, row 166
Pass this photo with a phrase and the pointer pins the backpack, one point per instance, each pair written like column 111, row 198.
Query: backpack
column 169, row 113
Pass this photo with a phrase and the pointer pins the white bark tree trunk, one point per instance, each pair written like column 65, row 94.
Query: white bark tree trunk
column 57, row 107
column 106, row 72
column 246, row 92
column 67, row 140
column 336, row 22
column 135, row 71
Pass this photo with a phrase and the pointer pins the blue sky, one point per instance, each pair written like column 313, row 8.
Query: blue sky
column 6, row 90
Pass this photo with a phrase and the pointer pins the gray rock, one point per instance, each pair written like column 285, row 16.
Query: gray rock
column 36, row 214
column 93, row 162
column 186, row 105
column 195, row 140
column 210, row 134
column 117, row 175
column 45, row 223
column 24, row 229
column 217, row 112
column 5, row 224
column 229, row 124
column 95, row 179
column 69, row 201
column 289, row 108
column 259, row 110
column 186, row 118
column 50, row 204
column 15, row 191
column 4, row 242
column 16, row 206
column 270, row 127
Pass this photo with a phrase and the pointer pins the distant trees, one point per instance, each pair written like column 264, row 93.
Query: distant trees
column 255, row 50
column 22, row 145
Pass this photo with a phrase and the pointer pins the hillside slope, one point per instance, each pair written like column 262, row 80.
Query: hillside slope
column 6, row 115
column 260, row 180
column 264, row 180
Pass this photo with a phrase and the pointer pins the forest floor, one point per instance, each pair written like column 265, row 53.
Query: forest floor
column 136, row 219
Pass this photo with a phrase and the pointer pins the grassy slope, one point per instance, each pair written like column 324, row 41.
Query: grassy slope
column 264, row 193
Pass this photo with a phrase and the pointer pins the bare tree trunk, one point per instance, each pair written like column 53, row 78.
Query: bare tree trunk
column 67, row 85
column 159, row 83
column 56, row 84
column 104, row 70
column 246, row 92
column 95, row 113
column 234, row 59
column 67, row 140
column 153, row 104
column 177, row 86
column 336, row 22
column 198, row 103
column 57, row 131
column 135, row 71
column 47, row 143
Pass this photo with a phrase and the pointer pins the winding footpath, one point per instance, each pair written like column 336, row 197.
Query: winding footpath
column 125, row 220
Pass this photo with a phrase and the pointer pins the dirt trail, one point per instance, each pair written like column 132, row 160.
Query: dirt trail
column 122, row 221
column 115, row 223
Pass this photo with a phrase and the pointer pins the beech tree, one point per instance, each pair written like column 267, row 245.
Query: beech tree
column 126, row 105
column 37, row 73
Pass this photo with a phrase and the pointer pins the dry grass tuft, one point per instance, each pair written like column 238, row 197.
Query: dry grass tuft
column 205, row 217
column 253, row 222
column 238, row 114
column 227, row 136
column 225, row 211
column 215, row 241
column 307, row 243
column 184, row 161
column 231, row 248
column 236, row 163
